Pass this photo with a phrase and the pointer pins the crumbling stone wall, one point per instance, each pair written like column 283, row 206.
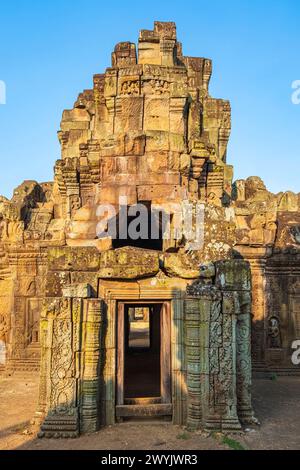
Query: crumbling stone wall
column 25, row 226
column 268, row 227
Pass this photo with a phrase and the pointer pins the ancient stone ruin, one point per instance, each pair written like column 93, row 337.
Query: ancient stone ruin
column 124, row 326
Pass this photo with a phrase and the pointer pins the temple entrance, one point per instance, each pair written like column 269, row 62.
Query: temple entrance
column 143, row 366
column 142, row 352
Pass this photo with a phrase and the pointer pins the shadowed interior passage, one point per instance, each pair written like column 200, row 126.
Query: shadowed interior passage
column 142, row 351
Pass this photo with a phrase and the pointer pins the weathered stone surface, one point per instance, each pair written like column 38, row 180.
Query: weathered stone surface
column 233, row 275
column 70, row 259
column 178, row 265
column 268, row 227
column 128, row 263
column 81, row 291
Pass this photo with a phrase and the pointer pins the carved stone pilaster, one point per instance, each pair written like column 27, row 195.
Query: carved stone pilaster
column 222, row 413
column 192, row 344
column 90, row 365
column 244, row 364
column 62, row 411
column 45, row 363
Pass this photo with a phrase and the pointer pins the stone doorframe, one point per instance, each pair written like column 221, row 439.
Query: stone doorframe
column 210, row 358
column 111, row 293
column 161, row 405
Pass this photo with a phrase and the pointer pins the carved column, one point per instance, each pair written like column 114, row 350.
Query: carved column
column 244, row 365
column 234, row 381
column 192, row 344
column 179, row 394
column 90, row 365
column 210, row 348
column 45, row 341
column 258, row 308
column 211, row 341
column 222, row 404
column 211, row 357
column 225, row 382
column 257, row 258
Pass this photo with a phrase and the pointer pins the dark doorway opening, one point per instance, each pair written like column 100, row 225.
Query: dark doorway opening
column 144, row 360
column 149, row 231
column 142, row 351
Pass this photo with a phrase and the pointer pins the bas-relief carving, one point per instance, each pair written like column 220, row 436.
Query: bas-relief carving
column 267, row 235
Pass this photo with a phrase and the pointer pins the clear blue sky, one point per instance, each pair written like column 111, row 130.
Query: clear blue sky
column 49, row 51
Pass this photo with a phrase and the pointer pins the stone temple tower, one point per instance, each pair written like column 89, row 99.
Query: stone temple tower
column 129, row 282
column 155, row 325
column 149, row 325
